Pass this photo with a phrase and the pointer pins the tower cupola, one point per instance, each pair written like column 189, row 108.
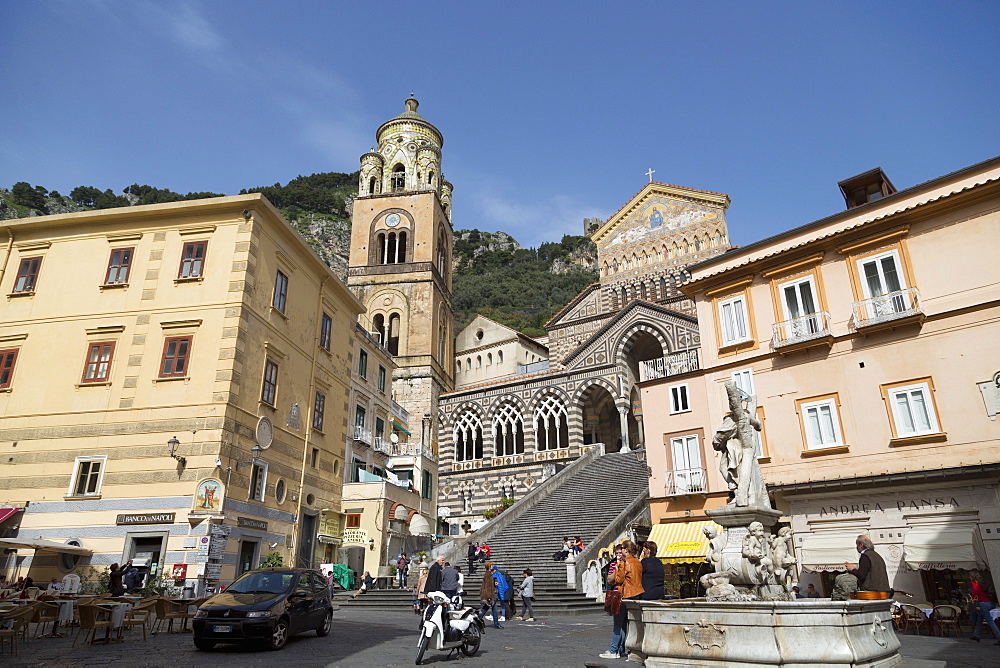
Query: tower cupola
column 408, row 156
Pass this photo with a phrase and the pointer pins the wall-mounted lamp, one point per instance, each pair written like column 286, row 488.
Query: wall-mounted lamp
column 255, row 457
column 173, row 443
column 371, row 543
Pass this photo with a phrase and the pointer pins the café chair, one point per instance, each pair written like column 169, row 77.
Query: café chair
column 139, row 616
column 15, row 625
column 946, row 617
column 90, row 622
column 168, row 611
column 914, row 617
column 192, row 608
column 45, row 613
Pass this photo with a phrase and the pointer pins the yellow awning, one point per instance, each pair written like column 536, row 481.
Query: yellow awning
column 682, row 542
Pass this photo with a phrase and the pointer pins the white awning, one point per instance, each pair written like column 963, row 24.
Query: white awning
column 40, row 545
column 939, row 548
column 420, row 526
column 827, row 551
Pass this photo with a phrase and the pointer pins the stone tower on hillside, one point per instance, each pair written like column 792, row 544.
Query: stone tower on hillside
column 400, row 262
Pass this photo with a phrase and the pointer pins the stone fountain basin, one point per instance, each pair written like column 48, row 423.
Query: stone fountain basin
column 804, row 632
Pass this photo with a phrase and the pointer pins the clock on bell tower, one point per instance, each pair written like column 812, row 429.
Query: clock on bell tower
column 400, row 262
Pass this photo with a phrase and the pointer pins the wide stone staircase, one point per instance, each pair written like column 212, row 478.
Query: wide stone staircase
column 583, row 500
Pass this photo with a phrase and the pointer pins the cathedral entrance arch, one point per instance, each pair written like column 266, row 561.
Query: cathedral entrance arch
column 641, row 344
column 601, row 419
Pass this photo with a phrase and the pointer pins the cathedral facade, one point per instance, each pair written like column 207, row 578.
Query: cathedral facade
column 503, row 432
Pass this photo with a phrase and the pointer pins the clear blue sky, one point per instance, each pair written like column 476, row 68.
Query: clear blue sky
column 551, row 111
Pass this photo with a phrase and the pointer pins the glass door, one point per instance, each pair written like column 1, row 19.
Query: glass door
column 882, row 282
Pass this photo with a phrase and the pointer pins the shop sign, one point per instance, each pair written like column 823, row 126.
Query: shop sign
column 251, row 523
column 935, row 503
column 146, row 518
column 355, row 536
column 329, row 524
column 939, row 566
column 179, row 572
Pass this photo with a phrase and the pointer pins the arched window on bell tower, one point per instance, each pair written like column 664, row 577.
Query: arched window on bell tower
column 393, row 334
column 398, row 177
column 378, row 325
column 372, row 186
column 401, row 248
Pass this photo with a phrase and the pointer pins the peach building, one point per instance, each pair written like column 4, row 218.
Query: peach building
column 869, row 340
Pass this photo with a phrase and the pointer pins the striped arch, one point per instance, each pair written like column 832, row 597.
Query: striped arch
column 409, row 515
column 397, row 511
column 591, row 382
column 629, row 335
column 537, row 397
column 500, row 401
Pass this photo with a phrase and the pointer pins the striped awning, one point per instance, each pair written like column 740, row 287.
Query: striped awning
column 682, row 542
column 401, row 428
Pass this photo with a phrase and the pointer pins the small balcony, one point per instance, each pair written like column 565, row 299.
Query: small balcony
column 669, row 365
column 363, row 435
column 686, row 481
column 888, row 311
column 382, row 445
column 400, row 413
column 411, row 450
column 803, row 332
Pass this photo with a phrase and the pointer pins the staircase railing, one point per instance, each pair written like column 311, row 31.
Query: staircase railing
column 456, row 550
column 618, row 526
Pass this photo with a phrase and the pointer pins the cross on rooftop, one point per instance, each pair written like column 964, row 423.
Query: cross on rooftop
column 650, row 174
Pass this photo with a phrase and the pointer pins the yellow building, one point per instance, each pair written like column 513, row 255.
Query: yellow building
column 869, row 341
column 167, row 369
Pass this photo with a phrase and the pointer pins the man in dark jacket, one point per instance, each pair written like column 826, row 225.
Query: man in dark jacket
column 870, row 570
column 473, row 549
column 434, row 576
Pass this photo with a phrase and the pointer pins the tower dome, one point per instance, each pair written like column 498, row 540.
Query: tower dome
column 408, row 156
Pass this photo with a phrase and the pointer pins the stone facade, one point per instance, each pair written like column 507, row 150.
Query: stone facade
column 500, row 435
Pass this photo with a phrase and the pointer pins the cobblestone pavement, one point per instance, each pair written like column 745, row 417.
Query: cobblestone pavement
column 366, row 638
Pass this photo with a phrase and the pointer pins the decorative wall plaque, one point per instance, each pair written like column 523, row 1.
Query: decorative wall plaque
column 705, row 635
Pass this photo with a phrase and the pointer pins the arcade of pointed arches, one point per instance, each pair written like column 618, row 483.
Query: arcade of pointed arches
column 696, row 243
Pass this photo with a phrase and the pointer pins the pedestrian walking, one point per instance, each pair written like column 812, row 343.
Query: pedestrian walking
column 526, row 590
column 433, row 582
column 501, row 594
column 628, row 578
column 652, row 573
column 510, row 607
column 488, row 595
column 981, row 598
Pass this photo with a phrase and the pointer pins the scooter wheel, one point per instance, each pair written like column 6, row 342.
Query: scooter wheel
column 471, row 641
column 422, row 647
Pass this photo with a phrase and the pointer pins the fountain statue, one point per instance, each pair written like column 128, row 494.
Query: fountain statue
column 748, row 617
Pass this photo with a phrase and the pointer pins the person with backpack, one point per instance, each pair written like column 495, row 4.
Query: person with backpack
column 473, row 557
column 501, row 595
column 488, row 596
column 510, row 607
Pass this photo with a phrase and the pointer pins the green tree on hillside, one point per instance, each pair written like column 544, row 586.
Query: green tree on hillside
column 34, row 198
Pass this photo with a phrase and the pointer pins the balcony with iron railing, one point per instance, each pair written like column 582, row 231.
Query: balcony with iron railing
column 803, row 332
column 686, row 481
column 533, row 367
column 669, row 365
column 412, row 450
column 363, row 435
column 893, row 309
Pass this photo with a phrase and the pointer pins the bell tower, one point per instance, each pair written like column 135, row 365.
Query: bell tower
column 400, row 262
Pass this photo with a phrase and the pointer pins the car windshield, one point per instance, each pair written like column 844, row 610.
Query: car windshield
column 262, row 583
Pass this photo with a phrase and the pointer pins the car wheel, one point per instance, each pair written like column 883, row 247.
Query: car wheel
column 471, row 640
column 422, row 647
column 279, row 636
column 203, row 644
column 324, row 628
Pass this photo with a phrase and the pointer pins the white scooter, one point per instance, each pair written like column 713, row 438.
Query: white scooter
column 449, row 625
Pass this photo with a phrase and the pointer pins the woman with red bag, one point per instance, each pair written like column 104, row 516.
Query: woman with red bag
column 627, row 579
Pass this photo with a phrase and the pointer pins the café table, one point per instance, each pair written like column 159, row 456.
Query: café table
column 66, row 607
column 184, row 604
column 116, row 612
